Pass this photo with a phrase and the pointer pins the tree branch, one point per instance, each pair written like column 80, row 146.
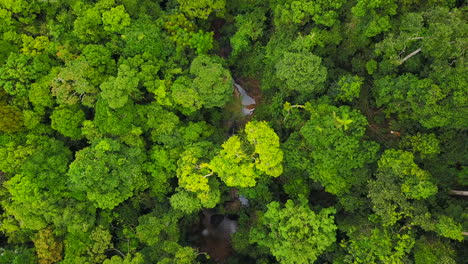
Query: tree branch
column 118, row 251
column 461, row 193
column 208, row 175
column 410, row 55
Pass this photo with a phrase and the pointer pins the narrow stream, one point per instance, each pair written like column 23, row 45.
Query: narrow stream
column 248, row 103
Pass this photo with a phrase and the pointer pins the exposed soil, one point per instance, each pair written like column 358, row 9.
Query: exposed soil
column 218, row 249
column 216, row 244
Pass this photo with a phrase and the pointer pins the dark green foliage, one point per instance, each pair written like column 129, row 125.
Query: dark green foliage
column 302, row 72
column 68, row 121
column 212, row 81
column 125, row 136
column 107, row 159
column 339, row 155
column 19, row 255
column 432, row 250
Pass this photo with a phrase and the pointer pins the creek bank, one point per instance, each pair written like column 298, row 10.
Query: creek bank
column 216, row 227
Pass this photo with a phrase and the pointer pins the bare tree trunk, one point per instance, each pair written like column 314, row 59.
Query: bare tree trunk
column 465, row 233
column 461, row 193
column 410, row 55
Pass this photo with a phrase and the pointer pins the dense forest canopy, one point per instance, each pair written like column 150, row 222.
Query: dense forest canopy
column 240, row 131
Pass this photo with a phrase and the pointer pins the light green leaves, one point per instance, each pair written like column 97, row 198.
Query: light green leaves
column 195, row 176
column 203, row 8
column 116, row 19
column 234, row 166
column 294, row 233
column 241, row 162
column 266, row 144
column 399, row 182
column 416, row 182
column 348, row 88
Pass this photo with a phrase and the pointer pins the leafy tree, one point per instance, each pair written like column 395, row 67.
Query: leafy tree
column 250, row 28
column 420, row 100
column 38, row 187
column 92, row 19
column 14, row 151
column 153, row 230
column 339, row 155
column 100, row 62
column 184, row 33
column 399, row 180
column 128, row 259
column 179, row 254
column 184, row 94
column 202, row 9
column 266, row 145
column 71, row 85
column 238, row 164
column 348, row 88
column 294, row 233
column 378, row 245
column 48, row 249
column 162, row 167
column 427, row 145
column 194, row 174
column 213, row 83
column 90, row 246
column 398, row 193
column 300, row 11
column 18, row 255
column 116, row 90
column 40, row 95
column 67, row 120
column 374, row 16
column 34, row 46
column 19, row 71
column 145, row 36
column 185, row 202
column 100, row 239
column 116, row 122
column 11, row 119
column 113, row 163
column 302, row 72
column 116, row 19
column 234, row 166
column 431, row 250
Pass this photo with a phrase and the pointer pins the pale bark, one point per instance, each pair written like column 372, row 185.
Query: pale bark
column 461, row 193
column 410, row 55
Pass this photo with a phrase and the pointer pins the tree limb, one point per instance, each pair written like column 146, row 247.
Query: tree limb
column 208, row 175
column 461, row 193
column 410, row 55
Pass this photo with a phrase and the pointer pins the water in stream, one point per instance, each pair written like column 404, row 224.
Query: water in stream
column 247, row 102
